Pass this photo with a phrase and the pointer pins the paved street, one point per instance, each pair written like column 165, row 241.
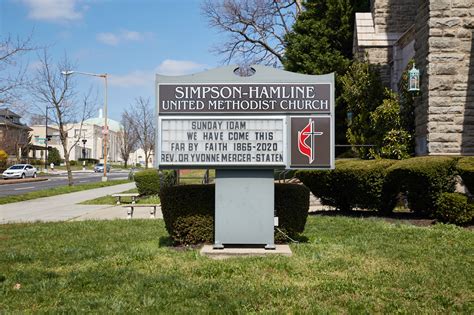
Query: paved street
column 66, row 208
column 57, row 180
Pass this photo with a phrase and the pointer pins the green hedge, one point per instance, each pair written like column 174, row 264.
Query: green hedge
column 291, row 205
column 188, row 211
column 88, row 161
column 148, row 181
column 353, row 183
column 423, row 178
column 465, row 168
column 454, row 208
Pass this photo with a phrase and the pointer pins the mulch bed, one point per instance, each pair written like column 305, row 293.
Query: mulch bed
column 396, row 217
column 18, row 181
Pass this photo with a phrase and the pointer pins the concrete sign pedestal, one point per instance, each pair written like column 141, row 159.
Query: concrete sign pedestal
column 244, row 208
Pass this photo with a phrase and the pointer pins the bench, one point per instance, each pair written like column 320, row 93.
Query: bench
column 132, row 195
column 131, row 208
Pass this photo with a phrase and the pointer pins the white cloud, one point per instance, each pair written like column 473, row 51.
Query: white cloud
column 140, row 78
column 54, row 10
column 132, row 35
column 179, row 67
column 114, row 39
column 133, row 79
column 108, row 39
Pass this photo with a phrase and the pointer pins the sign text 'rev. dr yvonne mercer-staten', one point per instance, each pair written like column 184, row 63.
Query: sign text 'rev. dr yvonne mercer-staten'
column 244, row 98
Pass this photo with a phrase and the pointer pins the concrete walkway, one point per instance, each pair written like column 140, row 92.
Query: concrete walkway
column 65, row 207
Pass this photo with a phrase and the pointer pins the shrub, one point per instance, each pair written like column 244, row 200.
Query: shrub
column 148, row 181
column 36, row 162
column 454, row 208
column 465, row 168
column 89, row 161
column 291, row 205
column 363, row 91
column 3, row 159
column 389, row 138
column 188, row 211
column 423, row 178
column 53, row 156
column 73, row 162
column 353, row 183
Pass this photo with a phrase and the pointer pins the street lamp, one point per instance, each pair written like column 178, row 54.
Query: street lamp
column 84, row 154
column 105, row 130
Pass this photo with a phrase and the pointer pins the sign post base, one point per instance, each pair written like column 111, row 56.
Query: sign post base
column 244, row 208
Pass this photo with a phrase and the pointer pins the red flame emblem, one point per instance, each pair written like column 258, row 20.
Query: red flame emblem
column 303, row 135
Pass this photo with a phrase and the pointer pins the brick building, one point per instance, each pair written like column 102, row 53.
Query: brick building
column 438, row 35
column 14, row 135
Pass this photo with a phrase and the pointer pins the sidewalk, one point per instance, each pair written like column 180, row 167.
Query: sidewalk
column 65, row 207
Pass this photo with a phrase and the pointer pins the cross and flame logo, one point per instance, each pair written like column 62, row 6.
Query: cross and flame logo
column 308, row 132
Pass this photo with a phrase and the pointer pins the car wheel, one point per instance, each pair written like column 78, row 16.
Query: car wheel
column 34, row 175
column 23, row 176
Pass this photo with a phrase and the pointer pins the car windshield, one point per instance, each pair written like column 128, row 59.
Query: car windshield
column 100, row 164
column 16, row 167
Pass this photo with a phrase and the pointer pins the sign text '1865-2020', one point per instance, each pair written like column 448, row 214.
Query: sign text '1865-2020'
column 202, row 141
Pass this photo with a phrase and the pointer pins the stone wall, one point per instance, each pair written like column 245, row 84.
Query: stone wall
column 444, row 48
column 393, row 16
column 380, row 56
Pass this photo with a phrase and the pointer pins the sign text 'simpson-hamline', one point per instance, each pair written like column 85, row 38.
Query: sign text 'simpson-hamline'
column 204, row 98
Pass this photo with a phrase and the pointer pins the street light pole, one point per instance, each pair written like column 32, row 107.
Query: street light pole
column 46, row 143
column 105, row 130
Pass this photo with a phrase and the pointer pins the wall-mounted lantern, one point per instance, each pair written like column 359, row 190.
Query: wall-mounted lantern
column 349, row 117
column 414, row 79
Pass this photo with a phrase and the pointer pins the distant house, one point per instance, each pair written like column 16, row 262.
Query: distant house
column 14, row 135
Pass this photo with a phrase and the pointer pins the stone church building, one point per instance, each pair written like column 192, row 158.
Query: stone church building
column 439, row 36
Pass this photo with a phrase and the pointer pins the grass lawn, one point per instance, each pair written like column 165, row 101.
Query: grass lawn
column 349, row 265
column 58, row 191
column 195, row 176
column 109, row 200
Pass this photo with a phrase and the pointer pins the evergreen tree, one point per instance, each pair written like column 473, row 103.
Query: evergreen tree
column 53, row 156
column 321, row 42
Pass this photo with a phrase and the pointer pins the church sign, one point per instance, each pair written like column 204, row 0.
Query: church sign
column 245, row 127
column 242, row 122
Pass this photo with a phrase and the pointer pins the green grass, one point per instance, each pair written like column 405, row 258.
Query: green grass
column 348, row 266
column 195, row 176
column 59, row 191
column 109, row 200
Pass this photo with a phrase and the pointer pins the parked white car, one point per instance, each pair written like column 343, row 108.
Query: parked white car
column 20, row 171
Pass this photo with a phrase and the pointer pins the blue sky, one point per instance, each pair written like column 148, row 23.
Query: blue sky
column 130, row 40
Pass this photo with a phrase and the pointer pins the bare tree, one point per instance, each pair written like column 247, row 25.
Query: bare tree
column 143, row 124
column 127, row 137
column 12, row 72
column 57, row 92
column 37, row 119
column 256, row 28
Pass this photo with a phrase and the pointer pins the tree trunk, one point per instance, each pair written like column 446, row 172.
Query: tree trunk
column 146, row 159
column 66, row 160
